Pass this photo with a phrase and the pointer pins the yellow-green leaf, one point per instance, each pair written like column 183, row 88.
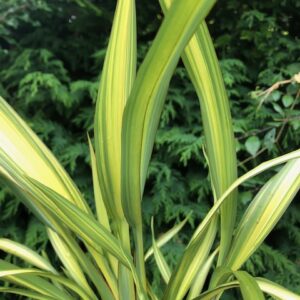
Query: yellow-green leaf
column 13, row 274
column 18, row 181
column 165, row 237
column 26, row 293
column 26, row 254
column 116, row 81
column 276, row 290
column 193, row 260
column 217, row 291
column 200, row 60
column 117, row 78
column 201, row 277
column 249, row 288
column 263, row 213
column 159, row 258
column 71, row 264
column 23, row 146
column 143, row 108
column 257, row 170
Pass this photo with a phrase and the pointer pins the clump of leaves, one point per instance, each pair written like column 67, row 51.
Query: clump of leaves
column 96, row 252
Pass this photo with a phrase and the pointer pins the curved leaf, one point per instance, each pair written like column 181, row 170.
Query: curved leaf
column 276, row 290
column 26, row 293
column 200, row 59
column 23, row 146
column 26, row 254
column 263, row 213
column 159, row 258
column 257, row 170
column 165, row 237
column 249, row 287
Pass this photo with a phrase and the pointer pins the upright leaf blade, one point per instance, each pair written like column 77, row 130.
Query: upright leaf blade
column 165, row 237
column 200, row 60
column 144, row 106
column 101, row 211
column 159, row 258
column 249, row 287
column 71, row 264
column 116, row 81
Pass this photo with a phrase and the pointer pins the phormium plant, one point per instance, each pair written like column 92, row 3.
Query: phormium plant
column 102, row 254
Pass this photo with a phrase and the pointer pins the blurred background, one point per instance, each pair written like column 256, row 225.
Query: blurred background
column 51, row 55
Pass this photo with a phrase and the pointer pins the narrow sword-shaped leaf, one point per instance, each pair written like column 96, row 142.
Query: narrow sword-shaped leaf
column 19, row 142
column 116, row 81
column 165, row 237
column 276, row 290
column 249, row 288
column 16, row 179
column 26, row 254
column 257, row 170
column 200, row 60
column 71, row 264
column 23, row 146
column 199, row 234
column 101, row 211
column 59, row 279
column 159, row 258
column 26, row 293
column 87, row 228
column 264, row 212
column 78, row 221
column 144, row 106
column 32, row 282
column 193, row 259
column 200, row 278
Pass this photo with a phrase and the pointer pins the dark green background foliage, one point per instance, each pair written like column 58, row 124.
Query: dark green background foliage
column 51, row 53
